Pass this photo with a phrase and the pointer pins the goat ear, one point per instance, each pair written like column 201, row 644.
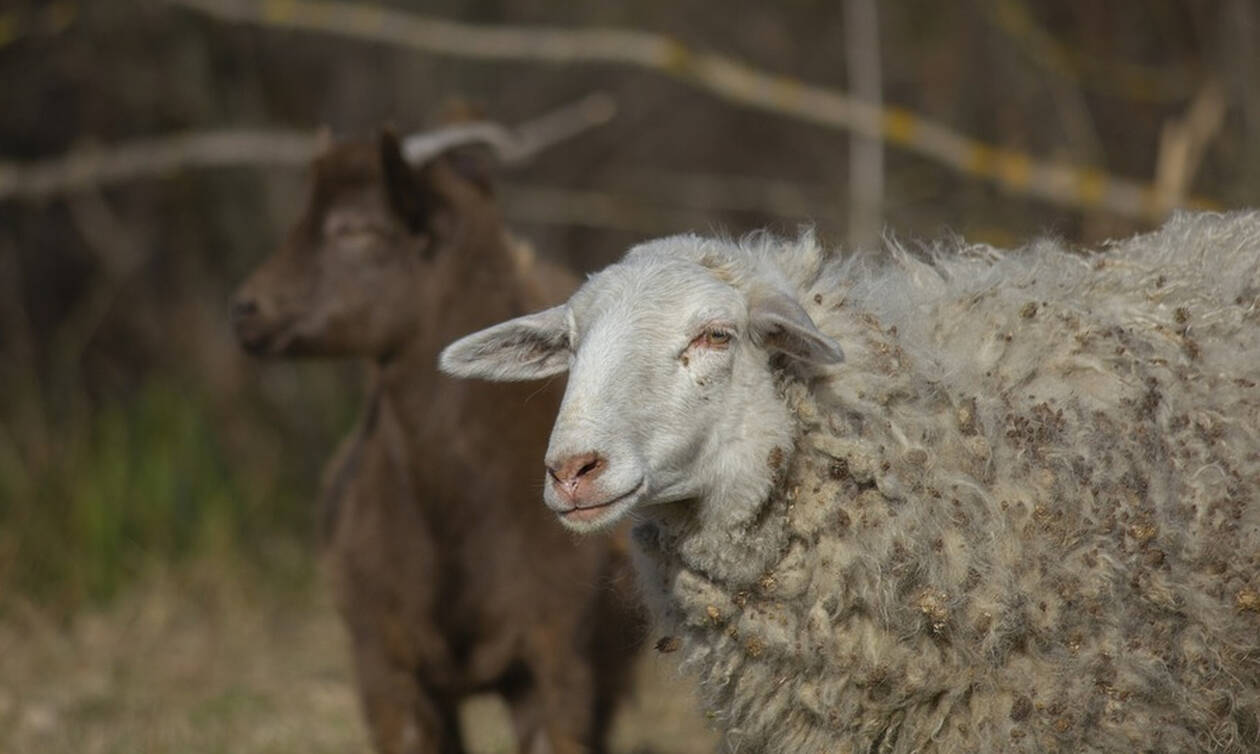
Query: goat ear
column 777, row 322
column 525, row 348
column 476, row 164
column 403, row 183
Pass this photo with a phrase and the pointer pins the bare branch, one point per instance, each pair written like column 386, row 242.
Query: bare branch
column 90, row 167
column 1184, row 141
column 1139, row 83
column 731, row 79
column 566, row 122
column 678, row 200
column 866, row 155
column 527, row 140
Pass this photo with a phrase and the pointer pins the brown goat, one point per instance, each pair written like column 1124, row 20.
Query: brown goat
column 451, row 578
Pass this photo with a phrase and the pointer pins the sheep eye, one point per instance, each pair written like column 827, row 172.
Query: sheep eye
column 714, row 338
column 717, row 338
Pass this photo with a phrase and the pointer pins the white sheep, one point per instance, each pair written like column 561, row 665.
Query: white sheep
column 1019, row 512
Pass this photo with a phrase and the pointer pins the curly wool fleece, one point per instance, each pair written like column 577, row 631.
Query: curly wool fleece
column 1023, row 516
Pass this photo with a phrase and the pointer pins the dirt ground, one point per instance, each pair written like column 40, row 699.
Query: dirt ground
column 203, row 663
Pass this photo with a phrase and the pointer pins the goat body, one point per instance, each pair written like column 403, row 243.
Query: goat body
column 450, row 579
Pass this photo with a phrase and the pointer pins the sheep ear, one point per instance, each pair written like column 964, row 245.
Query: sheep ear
column 525, row 348
column 777, row 322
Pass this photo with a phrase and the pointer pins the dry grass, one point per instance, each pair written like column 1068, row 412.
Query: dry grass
column 206, row 662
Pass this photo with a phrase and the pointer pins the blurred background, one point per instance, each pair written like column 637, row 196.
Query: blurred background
column 159, row 588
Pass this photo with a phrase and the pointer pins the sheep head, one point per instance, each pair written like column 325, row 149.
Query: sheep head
column 671, row 394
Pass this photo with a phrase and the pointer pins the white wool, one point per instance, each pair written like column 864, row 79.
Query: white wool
column 1023, row 515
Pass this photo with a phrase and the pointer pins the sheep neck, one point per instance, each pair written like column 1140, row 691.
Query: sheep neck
column 747, row 454
column 722, row 533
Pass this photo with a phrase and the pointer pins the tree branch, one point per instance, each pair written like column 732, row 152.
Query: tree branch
column 89, row 167
column 728, row 78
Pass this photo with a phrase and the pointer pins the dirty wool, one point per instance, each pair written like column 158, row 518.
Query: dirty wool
column 1023, row 515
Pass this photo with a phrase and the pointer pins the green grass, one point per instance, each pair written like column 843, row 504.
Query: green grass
column 142, row 481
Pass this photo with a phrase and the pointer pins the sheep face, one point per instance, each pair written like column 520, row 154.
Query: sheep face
column 670, row 394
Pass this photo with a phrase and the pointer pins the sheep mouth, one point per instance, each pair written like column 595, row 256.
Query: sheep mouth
column 600, row 515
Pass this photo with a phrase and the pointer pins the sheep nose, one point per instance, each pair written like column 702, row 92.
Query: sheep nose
column 576, row 471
